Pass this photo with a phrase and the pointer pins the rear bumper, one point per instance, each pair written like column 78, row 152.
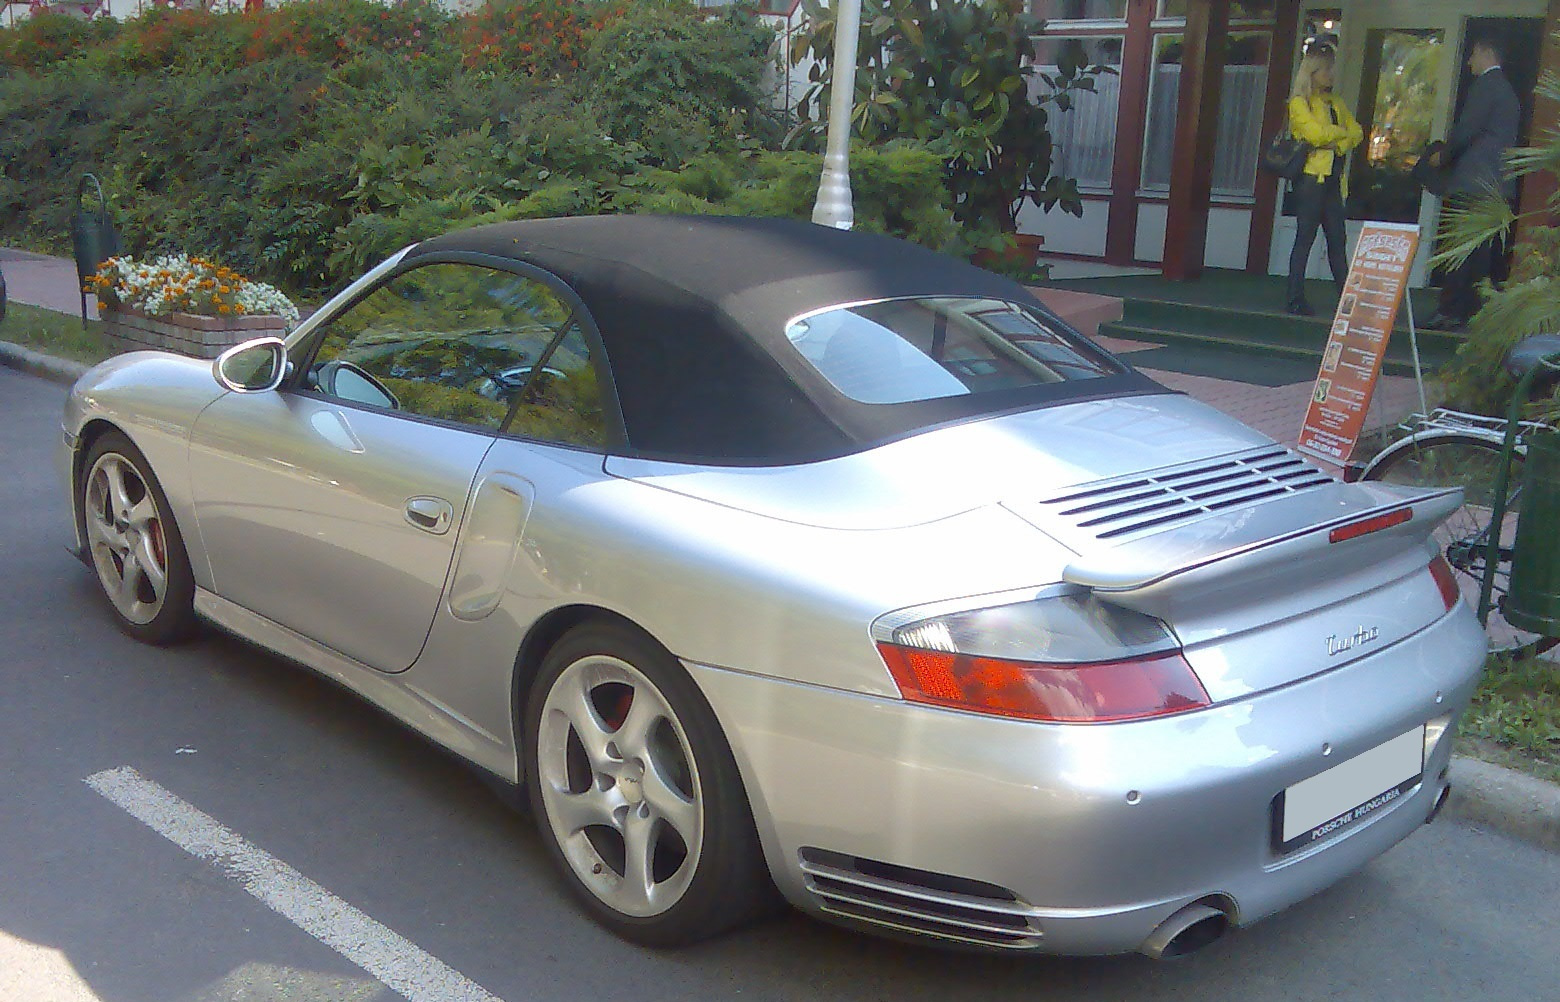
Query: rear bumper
column 1076, row 839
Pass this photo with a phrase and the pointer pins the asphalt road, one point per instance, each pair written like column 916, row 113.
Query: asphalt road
column 96, row 905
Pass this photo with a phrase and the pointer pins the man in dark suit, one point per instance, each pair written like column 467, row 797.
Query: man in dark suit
column 1485, row 129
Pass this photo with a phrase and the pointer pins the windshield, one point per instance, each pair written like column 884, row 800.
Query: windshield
column 900, row 350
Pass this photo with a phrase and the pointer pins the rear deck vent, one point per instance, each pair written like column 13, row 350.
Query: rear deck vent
column 1127, row 506
column 919, row 902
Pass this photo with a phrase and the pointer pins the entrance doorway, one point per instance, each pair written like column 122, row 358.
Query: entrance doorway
column 1397, row 112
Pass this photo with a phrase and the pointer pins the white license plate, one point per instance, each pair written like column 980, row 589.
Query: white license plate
column 1314, row 808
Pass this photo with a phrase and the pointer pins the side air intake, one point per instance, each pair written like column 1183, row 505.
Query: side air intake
column 919, row 902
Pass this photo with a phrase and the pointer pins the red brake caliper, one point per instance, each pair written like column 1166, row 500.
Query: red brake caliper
column 614, row 718
column 159, row 548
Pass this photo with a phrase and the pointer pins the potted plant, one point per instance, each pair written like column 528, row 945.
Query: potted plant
column 187, row 304
column 955, row 76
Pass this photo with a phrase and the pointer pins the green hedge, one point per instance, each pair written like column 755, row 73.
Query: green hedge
column 300, row 145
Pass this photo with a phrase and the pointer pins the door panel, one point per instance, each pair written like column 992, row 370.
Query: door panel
column 302, row 505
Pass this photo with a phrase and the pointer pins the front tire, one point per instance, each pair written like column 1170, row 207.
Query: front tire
column 636, row 793
column 134, row 544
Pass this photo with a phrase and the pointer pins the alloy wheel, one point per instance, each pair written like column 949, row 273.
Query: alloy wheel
column 620, row 786
column 126, row 537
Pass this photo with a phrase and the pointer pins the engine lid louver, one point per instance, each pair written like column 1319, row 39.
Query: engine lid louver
column 1129, row 507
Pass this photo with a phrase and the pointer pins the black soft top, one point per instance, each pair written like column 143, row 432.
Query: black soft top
column 692, row 313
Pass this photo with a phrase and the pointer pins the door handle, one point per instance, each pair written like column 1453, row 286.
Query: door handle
column 430, row 514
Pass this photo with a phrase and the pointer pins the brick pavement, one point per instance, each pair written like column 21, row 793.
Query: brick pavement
column 1275, row 411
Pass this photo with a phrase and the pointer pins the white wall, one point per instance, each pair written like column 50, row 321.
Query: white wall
column 1068, row 234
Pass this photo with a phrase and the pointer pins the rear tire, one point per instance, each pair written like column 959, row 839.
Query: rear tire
column 636, row 793
column 1472, row 463
column 134, row 544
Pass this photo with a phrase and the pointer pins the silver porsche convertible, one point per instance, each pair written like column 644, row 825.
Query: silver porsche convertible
column 783, row 564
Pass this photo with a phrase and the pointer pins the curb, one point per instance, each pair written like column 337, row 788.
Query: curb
column 56, row 370
column 1491, row 796
column 1506, row 801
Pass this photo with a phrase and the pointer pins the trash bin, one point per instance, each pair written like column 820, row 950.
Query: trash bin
column 93, row 236
column 1533, row 596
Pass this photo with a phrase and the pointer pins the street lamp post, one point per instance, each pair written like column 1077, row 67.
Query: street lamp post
column 834, row 207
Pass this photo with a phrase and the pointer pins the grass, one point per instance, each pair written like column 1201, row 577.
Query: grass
column 1515, row 717
column 57, row 334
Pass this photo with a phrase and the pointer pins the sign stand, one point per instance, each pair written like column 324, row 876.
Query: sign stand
column 1413, row 346
column 1357, row 342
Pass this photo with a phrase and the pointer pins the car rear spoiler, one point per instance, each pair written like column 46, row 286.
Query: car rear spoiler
column 1351, row 523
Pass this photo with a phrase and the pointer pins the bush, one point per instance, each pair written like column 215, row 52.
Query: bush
column 896, row 189
column 681, row 82
column 301, row 145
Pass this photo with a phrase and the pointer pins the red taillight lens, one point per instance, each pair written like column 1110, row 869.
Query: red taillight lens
column 1446, row 581
column 1152, row 685
column 1366, row 526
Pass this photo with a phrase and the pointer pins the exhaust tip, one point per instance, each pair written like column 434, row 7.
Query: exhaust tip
column 1185, row 932
column 1440, row 802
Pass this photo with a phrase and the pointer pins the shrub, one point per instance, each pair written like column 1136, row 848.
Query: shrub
column 680, row 81
column 534, row 37
column 896, row 189
column 303, row 144
column 48, row 38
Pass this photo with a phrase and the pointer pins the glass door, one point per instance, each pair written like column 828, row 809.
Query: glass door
column 1398, row 104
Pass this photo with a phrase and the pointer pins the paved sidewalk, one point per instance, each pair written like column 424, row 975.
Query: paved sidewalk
column 1276, row 411
column 41, row 280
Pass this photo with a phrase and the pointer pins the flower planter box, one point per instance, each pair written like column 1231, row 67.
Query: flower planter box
column 186, row 333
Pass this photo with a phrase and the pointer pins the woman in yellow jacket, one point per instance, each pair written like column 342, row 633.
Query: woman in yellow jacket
column 1318, row 118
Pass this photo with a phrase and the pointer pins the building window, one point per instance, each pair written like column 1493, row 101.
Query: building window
column 1240, row 10
column 1084, row 135
column 1239, row 135
column 1080, row 10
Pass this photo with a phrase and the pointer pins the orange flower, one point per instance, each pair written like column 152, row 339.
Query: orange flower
column 223, row 309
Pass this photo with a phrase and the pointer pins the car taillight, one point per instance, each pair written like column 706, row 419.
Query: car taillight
column 1446, row 581
column 1068, row 659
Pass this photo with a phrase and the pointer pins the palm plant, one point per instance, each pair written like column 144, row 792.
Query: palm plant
column 1529, row 301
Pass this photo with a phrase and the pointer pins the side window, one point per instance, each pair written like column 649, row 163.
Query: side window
column 561, row 401
column 456, row 342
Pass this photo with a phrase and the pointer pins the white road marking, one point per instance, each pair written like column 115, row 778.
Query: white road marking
column 399, row 963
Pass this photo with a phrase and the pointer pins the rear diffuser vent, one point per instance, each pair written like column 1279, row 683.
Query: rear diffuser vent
column 1112, row 510
column 919, row 902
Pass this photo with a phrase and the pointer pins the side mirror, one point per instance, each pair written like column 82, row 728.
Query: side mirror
column 252, row 367
column 1537, row 351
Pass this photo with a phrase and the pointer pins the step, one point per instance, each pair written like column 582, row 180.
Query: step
column 1398, row 360
column 1270, row 328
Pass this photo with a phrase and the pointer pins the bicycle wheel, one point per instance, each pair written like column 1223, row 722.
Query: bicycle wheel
column 1472, row 463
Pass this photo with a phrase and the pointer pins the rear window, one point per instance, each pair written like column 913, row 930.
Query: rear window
column 901, row 350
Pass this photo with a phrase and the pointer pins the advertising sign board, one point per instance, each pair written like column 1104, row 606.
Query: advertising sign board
column 1351, row 363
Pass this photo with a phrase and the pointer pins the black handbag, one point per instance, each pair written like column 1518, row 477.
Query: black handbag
column 1286, row 157
column 1430, row 177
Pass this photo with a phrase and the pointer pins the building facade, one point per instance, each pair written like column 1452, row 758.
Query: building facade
column 1165, row 149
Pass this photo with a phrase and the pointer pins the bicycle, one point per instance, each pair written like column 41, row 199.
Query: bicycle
column 1450, row 448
